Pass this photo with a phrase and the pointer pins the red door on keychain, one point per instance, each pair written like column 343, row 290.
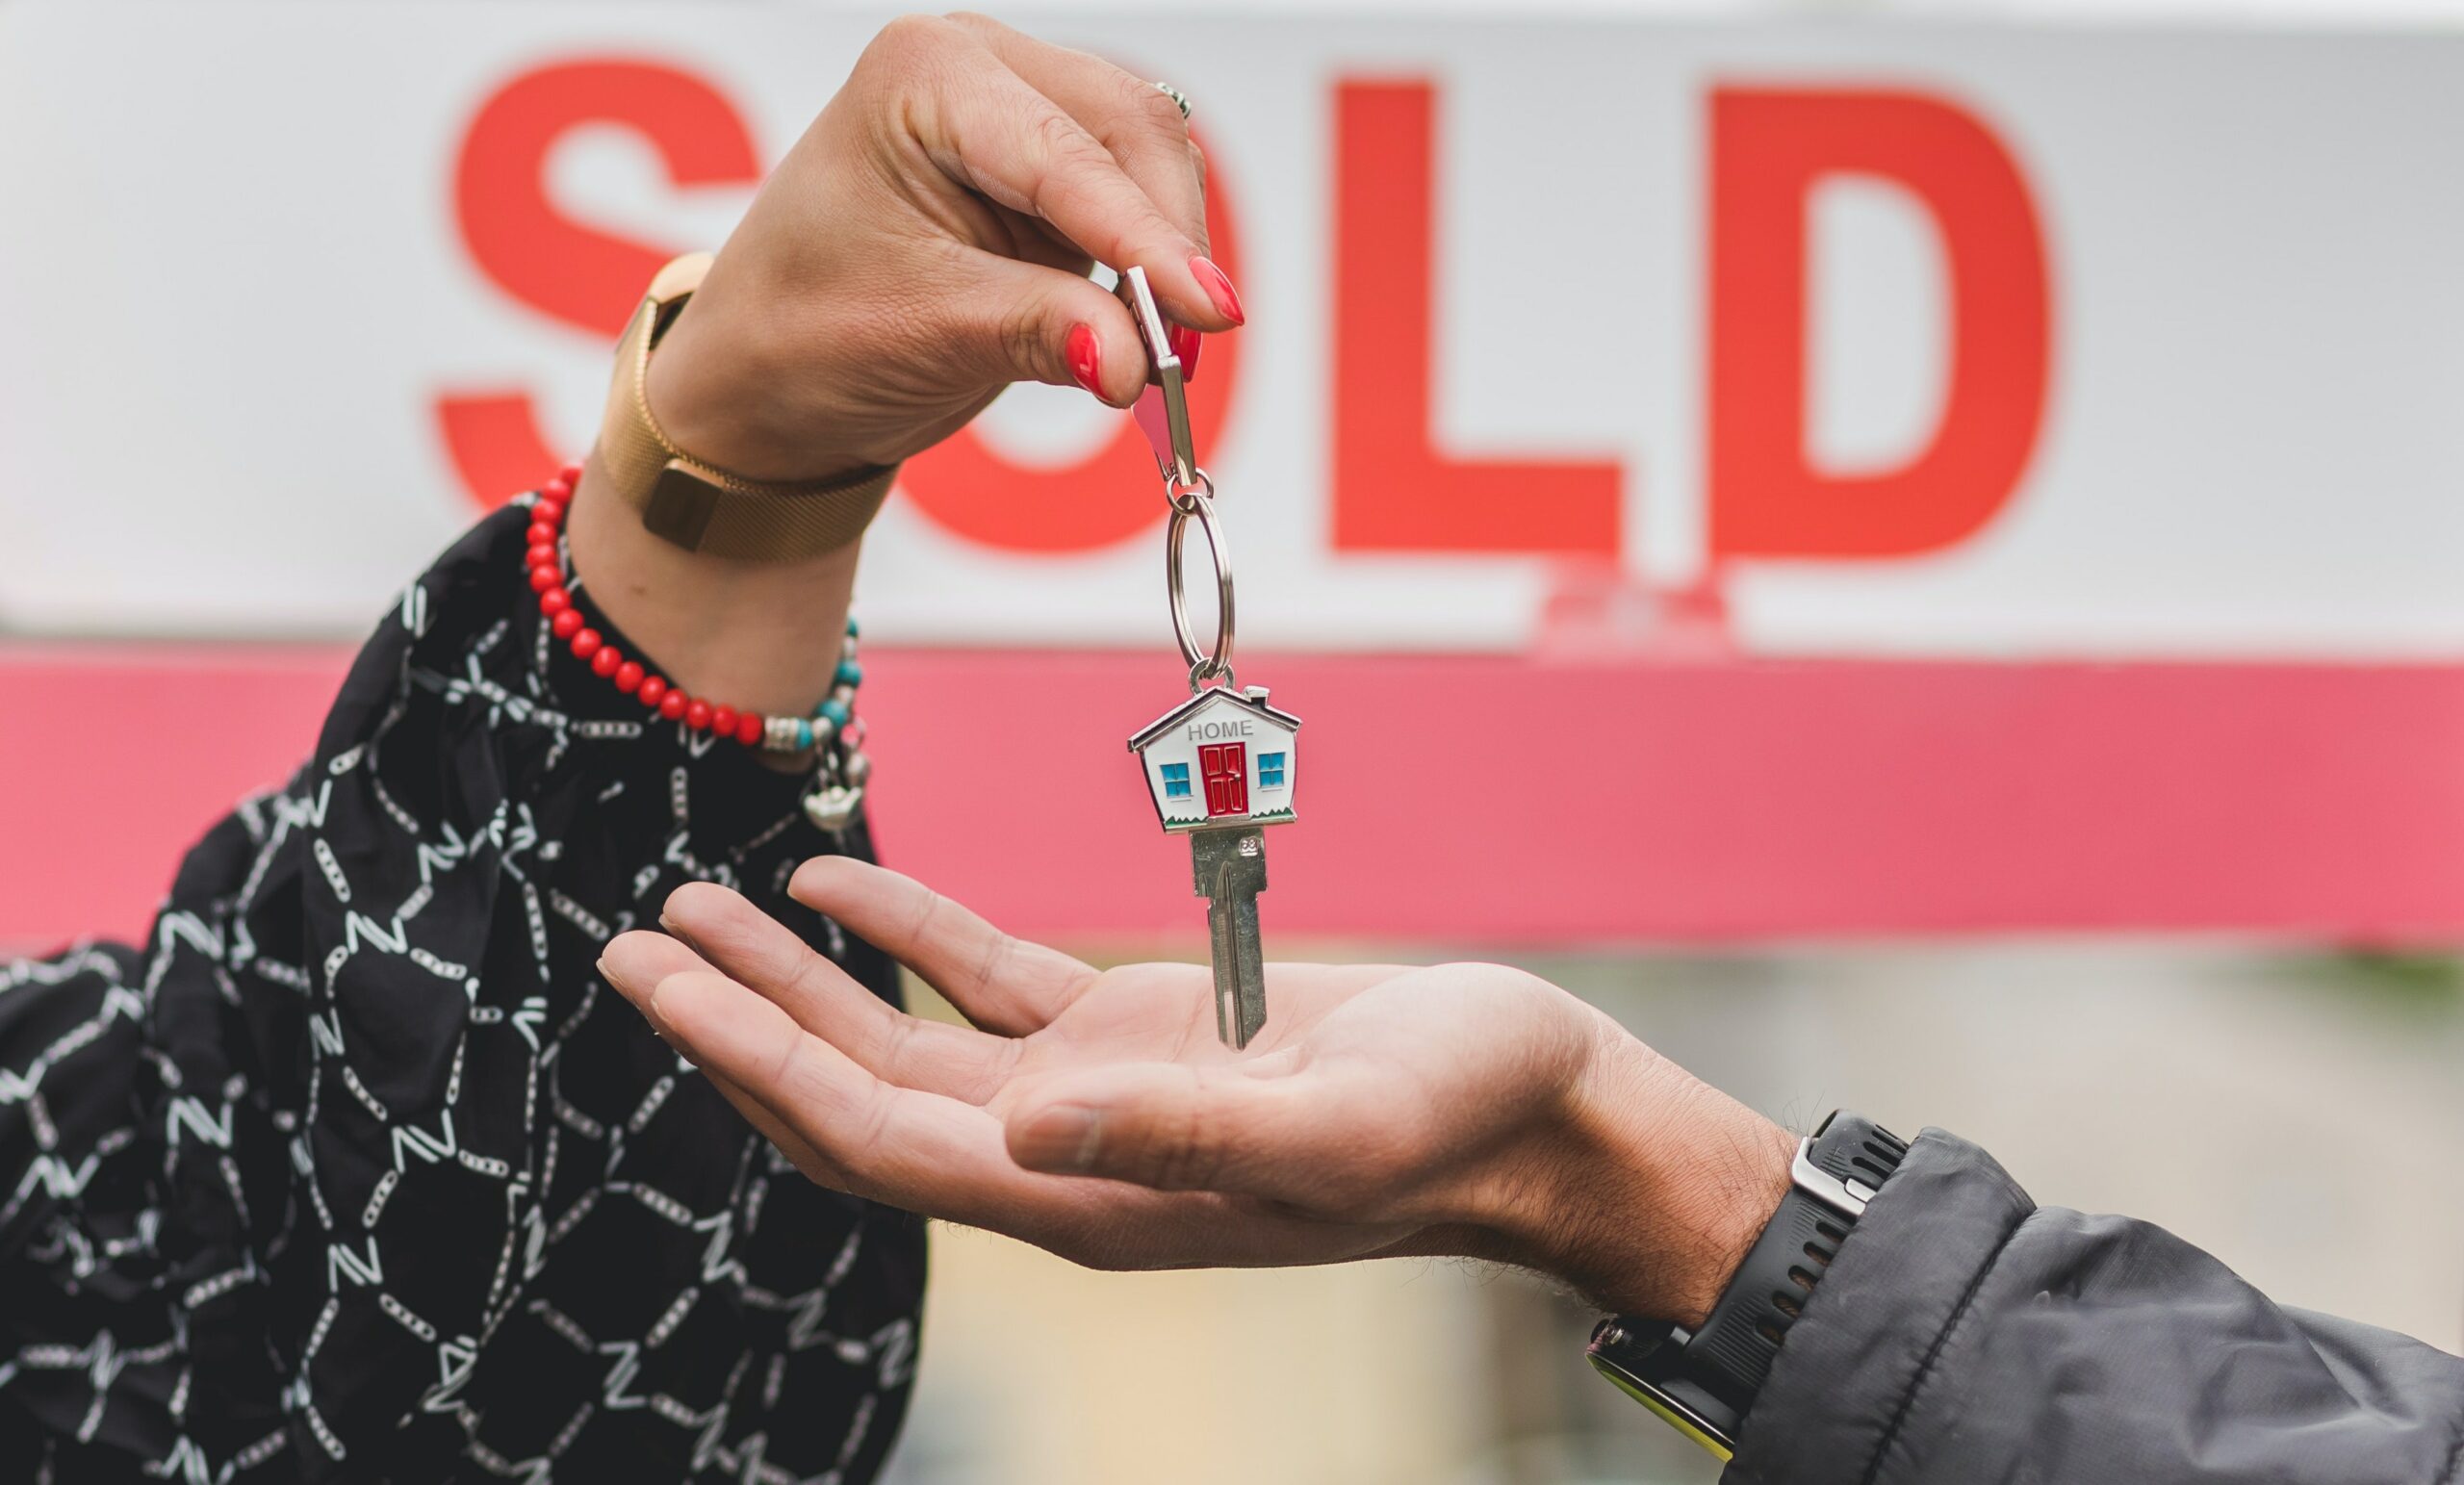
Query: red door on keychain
column 1226, row 767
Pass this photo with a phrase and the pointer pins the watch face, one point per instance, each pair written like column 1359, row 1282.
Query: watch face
column 1671, row 1412
column 1647, row 1360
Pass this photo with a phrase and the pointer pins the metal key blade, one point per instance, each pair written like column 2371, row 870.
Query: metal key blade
column 1240, row 969
column 1230, row 871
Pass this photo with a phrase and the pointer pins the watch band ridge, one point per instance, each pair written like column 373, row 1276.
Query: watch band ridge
column 1782, row 1270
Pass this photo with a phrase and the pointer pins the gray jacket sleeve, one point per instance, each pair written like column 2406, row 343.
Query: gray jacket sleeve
column 1966, row 1335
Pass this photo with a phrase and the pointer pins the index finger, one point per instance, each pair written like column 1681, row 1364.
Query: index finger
column 1132, row 118
column 760, row 953
column 988, row 129
column 1001, row 984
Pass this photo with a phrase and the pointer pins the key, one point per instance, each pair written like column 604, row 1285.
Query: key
column 1220, row 768
column 1220, row 765
column 1230, row 866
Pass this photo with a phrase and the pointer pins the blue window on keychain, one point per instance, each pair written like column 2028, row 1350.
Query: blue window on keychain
column 1270, row 770
column 1176, row 780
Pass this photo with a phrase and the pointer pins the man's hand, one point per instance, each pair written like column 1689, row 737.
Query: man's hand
column 1466, row 1109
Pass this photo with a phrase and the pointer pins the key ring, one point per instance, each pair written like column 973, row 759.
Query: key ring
column 1204, row 666
column 1162, row 412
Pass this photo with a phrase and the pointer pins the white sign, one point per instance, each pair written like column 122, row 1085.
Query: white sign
column 1907, row 339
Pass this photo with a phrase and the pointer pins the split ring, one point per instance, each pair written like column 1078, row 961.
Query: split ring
column 1217, row 662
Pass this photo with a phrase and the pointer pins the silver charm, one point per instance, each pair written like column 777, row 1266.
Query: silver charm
column 833, row 807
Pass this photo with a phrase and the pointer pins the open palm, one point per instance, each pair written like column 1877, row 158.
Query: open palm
column 1382, row 1110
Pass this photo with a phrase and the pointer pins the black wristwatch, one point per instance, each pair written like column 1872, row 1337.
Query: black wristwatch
column 1702, row 1382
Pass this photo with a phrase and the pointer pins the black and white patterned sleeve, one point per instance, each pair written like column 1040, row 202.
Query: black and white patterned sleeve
column 355, row 1169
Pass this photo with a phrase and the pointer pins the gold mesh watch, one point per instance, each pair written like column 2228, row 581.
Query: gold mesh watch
column 699, row 506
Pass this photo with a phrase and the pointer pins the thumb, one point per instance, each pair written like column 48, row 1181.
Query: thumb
column 1172, row 1127
column 1029, row 322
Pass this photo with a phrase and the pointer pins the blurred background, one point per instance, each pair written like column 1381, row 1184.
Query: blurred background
column 1910, row 551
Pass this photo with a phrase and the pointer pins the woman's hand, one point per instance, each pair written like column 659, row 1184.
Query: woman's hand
column 927, row 243
column 1467, row 1109
column 924, row 245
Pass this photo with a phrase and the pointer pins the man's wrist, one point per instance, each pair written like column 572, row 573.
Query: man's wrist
column 1660, row 1184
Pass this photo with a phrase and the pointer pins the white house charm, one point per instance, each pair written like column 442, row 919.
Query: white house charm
column 1220, row 767
column 1221, row 758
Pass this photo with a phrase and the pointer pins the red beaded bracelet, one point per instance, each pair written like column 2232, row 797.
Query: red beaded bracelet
column 783, row 734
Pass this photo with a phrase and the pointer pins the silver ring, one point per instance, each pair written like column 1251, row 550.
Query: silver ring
column 1179, row 495
column 1204, row 666
column 1180, row 100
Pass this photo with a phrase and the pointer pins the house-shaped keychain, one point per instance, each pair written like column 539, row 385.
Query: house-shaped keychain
column 1221, row 758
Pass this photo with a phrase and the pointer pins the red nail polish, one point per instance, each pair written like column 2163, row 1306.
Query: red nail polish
column 1087, row 358
column 1186, row 345
column 1220, row 289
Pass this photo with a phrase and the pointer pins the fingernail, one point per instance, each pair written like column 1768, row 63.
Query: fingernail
column 646, row 1002
column 1186, row 345
column 667, row 926
column 1087, row 358
column 1063, row 1138
column 1210, row 278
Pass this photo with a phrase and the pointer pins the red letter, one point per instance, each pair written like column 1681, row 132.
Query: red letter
column 577, row 275
column 1392, row 491
column 1111, row 494
column 1767, row 150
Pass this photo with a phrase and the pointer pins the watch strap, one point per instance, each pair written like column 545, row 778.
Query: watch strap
column 1838, row 1172
column 699, row 506
column 1704, row 1381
